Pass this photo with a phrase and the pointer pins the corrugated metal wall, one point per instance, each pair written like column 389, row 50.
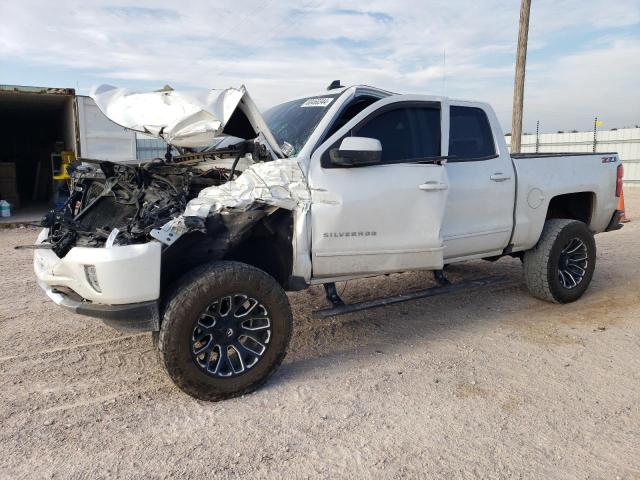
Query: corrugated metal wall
column 624, row 141
column 100, row 137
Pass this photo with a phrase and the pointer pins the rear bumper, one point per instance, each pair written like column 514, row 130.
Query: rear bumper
column 137, row 317
column 615, row 223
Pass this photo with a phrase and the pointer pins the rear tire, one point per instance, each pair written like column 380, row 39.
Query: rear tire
column 560, row 267
column 225, row 330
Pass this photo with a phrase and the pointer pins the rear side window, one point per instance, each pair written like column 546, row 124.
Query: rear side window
column 470, row 134
column 406, row 133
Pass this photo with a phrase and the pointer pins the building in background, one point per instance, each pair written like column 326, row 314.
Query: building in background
column 42, row 125
column 624, row 141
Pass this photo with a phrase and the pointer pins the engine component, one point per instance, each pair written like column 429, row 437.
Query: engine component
column 119, row 204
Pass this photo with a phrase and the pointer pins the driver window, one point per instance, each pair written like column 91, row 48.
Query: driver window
column 406, row 133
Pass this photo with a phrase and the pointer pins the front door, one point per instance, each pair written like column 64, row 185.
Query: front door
column 384, row 217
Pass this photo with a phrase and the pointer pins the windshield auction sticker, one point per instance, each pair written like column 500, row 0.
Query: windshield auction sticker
column 317, row 102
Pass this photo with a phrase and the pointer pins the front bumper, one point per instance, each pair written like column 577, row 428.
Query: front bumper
column 138, row 317
column 128, row 282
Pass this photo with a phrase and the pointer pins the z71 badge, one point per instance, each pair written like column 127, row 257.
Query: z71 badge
column 609, row 159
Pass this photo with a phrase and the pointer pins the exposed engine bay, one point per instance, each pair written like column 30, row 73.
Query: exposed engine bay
column 230, row 193
column 118, row 204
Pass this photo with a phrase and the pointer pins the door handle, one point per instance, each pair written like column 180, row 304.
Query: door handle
column 500, row 177
column 433, row 186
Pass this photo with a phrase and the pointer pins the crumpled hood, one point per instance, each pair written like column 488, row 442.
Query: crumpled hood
column 186, row 118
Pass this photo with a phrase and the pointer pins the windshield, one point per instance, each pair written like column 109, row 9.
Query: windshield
column 293, row 122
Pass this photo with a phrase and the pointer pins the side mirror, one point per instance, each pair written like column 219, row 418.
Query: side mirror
column 357, row 151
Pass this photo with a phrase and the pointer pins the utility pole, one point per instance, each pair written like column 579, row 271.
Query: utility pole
column 518, row 86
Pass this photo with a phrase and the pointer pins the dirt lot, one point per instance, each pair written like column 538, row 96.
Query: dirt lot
column 492, row 384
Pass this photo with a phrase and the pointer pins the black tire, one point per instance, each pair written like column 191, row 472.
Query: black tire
column 553, row 270
column 200, row 296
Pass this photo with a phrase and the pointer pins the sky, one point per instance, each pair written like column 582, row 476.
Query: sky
column 583, row 57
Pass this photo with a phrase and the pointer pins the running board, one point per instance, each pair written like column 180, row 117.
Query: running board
column 467, row 286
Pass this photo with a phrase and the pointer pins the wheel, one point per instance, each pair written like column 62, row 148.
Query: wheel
column 225, row 330
column 560, row 267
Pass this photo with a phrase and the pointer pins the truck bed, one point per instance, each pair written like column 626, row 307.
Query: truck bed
column 588, row 177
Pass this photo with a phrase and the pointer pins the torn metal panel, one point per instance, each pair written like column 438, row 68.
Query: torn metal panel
column 280, row 183
column 216, row 236
column 190, row 119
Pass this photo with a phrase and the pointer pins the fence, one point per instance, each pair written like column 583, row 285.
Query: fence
column 624, row 141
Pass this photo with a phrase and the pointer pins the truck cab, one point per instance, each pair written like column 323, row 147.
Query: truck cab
column 440, row 160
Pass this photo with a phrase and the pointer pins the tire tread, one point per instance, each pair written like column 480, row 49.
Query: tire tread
column 184, row 294
column 536, row 260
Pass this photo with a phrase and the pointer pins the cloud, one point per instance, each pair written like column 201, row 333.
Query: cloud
column 568, row 92
column 286, row 49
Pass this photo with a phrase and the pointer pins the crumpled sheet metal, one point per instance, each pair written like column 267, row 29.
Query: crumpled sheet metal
column 182, row 118
column 279, row 183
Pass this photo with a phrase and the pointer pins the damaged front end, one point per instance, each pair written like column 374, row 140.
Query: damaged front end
column 115, row 204
column 128, row 231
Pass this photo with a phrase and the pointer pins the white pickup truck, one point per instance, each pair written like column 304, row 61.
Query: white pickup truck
column 200, row 247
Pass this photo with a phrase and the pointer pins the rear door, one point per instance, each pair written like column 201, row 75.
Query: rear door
column 479, row 215
column 384, row 217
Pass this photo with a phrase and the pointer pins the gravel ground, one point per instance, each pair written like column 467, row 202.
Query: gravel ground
column 490, row 384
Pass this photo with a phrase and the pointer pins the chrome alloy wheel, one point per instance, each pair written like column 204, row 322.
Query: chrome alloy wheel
column 231, row 335
column 572, row 264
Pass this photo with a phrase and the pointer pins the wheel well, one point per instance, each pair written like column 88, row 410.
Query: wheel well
column 575, row 206
column 269, row 247
column 253, row 237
